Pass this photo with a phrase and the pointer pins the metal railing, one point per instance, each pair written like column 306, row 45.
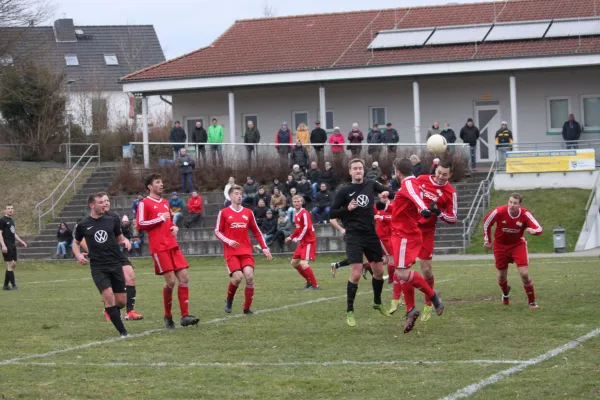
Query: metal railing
column 480, row 202
column 10, row 155
column 70, row 179
column 69, row 155
column 592, row 201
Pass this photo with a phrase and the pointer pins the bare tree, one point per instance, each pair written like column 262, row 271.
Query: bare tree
column 268, row 10
column 21, row 13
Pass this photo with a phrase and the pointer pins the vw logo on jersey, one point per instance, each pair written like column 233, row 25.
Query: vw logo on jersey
column 100, row 236
column 362, row 200
column 12, row 229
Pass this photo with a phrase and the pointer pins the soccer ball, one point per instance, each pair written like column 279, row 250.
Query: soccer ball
column 437, row 144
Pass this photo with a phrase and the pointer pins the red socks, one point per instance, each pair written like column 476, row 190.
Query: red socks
column 183, row 293
column 397, row 288
column 529, row 290
column 409, row 295
column 504, row 287
column 430, row 282
column 301, row 272
column 391, row 273
column 415, row 280
column 310, row 276
column 231, row 289
column 249, row 294
column 167, row 300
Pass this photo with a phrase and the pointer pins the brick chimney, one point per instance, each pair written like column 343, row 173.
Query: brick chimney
column 64, row 30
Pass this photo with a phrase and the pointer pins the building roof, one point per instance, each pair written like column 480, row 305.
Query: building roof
column 341, row 40
column 135, row 46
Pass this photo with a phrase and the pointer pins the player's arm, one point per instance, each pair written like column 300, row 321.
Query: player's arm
column 450, row 214
column 259, row 237
column 334, row 222
column 338, row 209
column 145, row 224
column 301, row 230
column 20, row 240
column 379, row 188
column 4, row 248
column 533, row 227
column 414, row 196
column 75, row 246
column 219, row 228
column 488, row 221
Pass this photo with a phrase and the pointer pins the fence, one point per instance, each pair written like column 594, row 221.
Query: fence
column 479, row 206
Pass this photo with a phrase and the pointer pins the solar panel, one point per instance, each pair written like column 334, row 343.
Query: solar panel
column 459, row 34
column 518, row 31
column 400, row 38
column 574, row 27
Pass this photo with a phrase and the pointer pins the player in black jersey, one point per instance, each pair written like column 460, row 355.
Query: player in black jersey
column 8, row 242
column 102, row 235
column 353, row 204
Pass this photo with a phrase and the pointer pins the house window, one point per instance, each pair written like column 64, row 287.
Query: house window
column 138, row 106
column 329, row 123
column 246, row 118
column 591, row 111
column 558, row 112
column 71, row 60
column 298, row 117
column 111, row 59
column 99, row 115
column 6, row 61
column 378, row 116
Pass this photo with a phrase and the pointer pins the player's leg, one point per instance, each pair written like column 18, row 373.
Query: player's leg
column 234, row 284
column 425, row 257
column 129, row 274
column 521, row 257
column 374, row 256
column 248, row 273
column 113, row 310
column 9, row 276
column 337, row 265
column 354, row 255
column 170, row 280
column 501, row 261
column 107, row 281
column 179, row 265
column 295, row 263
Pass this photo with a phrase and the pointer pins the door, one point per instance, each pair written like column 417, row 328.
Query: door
column 190, row 124
column 488, row 119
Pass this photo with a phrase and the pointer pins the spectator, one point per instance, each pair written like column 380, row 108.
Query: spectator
column 504, row 140
column 284, row 136
column 470, row 134
column 314, row 177
column 417, row 168
column 252, row 135
column 434, row 130
column 278, row 185
column 449, row 134
column 269, row 226
column 390, row 135
column 374, row 173
column 355, row 136
column 136, row 203
column 137, row 240
column 216, row 134
column 296, row 173
column 262, row 194
column 299, row 156
column 571, row 132
column 64, row 237
column 290, row 183
column 320, row 211
column 130, row 233
column 278, row 200
column 434, row 165
column 303, row 135
column 186, row 166
column 200, row 137
column 328, row 177
column 230, row 183
column 177, row 136
column 394, row 184
column 249, row 192
column 194, row 208
column 318, row 135
column 337, row 140
column 260, row 212
column 291, row 210
column 285, row 227
column 375, row 136
column 304, row 189
column 176, row 205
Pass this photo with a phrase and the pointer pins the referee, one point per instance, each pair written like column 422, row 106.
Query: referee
column 353, row 204
column 8, row 243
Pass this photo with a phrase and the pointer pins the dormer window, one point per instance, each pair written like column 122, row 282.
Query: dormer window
column 71, row 60
column 111, row 59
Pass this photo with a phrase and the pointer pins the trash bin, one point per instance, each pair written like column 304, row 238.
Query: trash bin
column 560, row 239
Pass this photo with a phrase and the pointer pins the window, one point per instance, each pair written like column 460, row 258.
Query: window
column 71, row 60
column 329, row 123
column 138, row 106
column 378, row 116
column 558, row 112
column 298, row 117
column 246, row 118
column 99, row 115
column 6, row 61
column 111, row 59
column 591, row 111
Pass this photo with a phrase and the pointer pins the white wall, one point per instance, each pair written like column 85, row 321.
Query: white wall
column 545, row 180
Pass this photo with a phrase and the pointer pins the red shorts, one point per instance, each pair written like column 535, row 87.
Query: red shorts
column 426, row 252
column 237, row 263
column 516, row 254
column 169, row 260
column 405, row 251
column 306, row 251
column 386, row 246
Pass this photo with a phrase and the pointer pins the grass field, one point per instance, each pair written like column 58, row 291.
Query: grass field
column 56, row 344
column 550, row 207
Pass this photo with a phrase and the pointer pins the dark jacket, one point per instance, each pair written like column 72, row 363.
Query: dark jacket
column 449, row 135
column 571, row 131
column 300, row 156
column 318, row 135
column 374, row 137
column 304, row 188
column 417, row 169
column 279, row 186
column 260, row 213
column 269, row 226
column 355, row 139
column 250, row 190
column 285, row 139
column 266, row 197
column 328, row 177
column 373, row 174
column 186, row 169
column 324, row 199
column 469, row 134
column 504, row 138
column 314, row 175
column 390, row 136
column 288, row 185
column 177, row 136
column 199, row 135
column 251, row 136
column 66, row 236
column 286, row 226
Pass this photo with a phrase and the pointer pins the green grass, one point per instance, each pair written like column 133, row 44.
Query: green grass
column 58, row 307
column 550, row 207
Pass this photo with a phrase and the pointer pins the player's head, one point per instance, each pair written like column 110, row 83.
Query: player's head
column 403, row 168
column 154, row 184
column 356, row 168
column 235, row 194
column 96, row 203
column 297, row 202
column 106, row 202
column 443, row 172
column 9, row 210
column 514, row 202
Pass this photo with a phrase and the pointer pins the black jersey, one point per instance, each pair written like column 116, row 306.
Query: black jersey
column 100, row 236
column 7, row 229
column 362, row 218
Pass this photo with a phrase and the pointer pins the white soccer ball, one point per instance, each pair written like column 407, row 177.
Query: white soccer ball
column 437, row 144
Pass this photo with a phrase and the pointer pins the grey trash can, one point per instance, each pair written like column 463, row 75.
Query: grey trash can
column 559, row 236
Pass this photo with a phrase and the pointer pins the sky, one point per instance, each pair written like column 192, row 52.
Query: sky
column 187, row 25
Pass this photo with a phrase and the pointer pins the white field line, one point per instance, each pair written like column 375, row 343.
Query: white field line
column 151, row 331
column 472, row 389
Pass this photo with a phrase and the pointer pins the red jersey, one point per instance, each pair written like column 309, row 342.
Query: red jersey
column 232, row 226
column 445, row 197
column 509, row 229
column 160, row 237
column 382, row 226
column 406, row 209
column 195, row 204
column 305, row 232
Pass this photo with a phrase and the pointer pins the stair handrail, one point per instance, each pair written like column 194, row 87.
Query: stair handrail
column 481, row 199
column 53, row 197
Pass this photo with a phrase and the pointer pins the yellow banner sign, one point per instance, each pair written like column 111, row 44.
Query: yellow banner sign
column 550, row 161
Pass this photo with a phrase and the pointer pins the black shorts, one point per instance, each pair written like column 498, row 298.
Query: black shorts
column 124, row 260
column 11, row 254
column 361, row 243
column 109, row 277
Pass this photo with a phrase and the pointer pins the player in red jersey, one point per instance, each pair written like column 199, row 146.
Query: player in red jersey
column 510, row 246
column 384, row 231
column 307, row 247
column 154, row 216
column 407, row 209
column 232, row 228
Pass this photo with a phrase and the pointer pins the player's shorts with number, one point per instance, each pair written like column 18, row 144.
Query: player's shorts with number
column 405, row 251
column 516, row 254
column 169, row 260
column 428, row 237
column 306, row 252
column 238, row 262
